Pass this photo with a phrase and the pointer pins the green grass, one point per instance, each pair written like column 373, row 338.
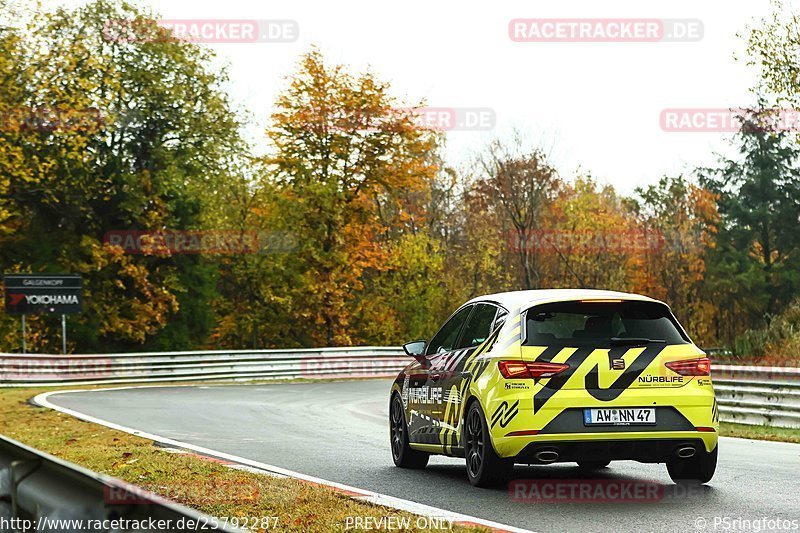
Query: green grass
column 746, row 431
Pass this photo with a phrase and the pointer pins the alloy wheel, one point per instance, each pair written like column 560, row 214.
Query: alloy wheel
column 475, row 442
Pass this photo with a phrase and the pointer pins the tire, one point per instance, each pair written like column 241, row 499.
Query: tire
column 402, row 453
column 484, row 467
column 698, row 469
column 593, row 464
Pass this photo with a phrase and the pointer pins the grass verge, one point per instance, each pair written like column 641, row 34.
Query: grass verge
column 746, row 431
column 207, row 486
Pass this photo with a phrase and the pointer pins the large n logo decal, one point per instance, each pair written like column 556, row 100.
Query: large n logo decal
column 592, row 382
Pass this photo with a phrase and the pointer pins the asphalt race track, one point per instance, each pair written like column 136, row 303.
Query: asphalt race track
column 338, row 431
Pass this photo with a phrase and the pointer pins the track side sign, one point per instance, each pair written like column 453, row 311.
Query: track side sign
column 29, row 294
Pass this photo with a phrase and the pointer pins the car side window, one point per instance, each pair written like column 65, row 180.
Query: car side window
column 445, row 340
column 479, row 326
column 500, row 319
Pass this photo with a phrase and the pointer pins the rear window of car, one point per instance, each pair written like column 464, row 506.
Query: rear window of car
column 588, row 323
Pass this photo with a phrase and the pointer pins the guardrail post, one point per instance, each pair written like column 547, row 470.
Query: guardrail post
column 14, row 482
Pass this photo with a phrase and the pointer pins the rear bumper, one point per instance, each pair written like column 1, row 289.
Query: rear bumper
column 651, row 449
column 680, row 412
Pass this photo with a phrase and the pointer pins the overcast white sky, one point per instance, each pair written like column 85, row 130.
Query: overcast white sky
column 593, row 106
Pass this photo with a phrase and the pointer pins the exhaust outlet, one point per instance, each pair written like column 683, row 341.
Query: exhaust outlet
column 686, row 452
column 547, row 456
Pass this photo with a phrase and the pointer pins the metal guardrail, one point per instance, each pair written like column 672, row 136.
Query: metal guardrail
column 46, row 370
column 746, row 394
column 758, row 395
column 45, row 493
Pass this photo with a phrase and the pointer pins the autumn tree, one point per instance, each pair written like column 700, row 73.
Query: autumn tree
column 343, row 149
column 591, row 237
column 773, row 46
column 521, row 183
column 757, row 254
column 109, row 135
column 678, row 220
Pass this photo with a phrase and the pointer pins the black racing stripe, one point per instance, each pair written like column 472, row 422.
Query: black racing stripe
column 549, row 353
column 449, row 357
column 506, row 420
column 458, row 362
column 481, row 368
column 488, row 343
column 499, row 412
column 470, row 358
column 556, row 383
column 626, row 379
column 475, row 366
column 495, row 419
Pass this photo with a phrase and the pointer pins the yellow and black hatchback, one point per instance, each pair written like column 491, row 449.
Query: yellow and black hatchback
column 539, row 377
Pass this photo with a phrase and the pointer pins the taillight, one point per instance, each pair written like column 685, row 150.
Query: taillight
column 526, row 370
column 691, row 367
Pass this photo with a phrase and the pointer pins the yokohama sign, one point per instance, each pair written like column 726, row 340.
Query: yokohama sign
column 43, row 293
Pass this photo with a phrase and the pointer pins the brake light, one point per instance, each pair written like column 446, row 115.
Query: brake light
column 691, row 367
column 524, row 433
column 533, row 370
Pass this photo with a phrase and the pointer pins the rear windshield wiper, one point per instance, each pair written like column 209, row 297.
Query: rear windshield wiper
column 632, row 341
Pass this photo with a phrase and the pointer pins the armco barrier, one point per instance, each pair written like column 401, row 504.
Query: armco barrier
column 47, row 370
column 759, row 395
column 746, row 394
column 43, row 493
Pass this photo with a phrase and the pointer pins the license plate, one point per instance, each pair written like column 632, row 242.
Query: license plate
column 627, row 416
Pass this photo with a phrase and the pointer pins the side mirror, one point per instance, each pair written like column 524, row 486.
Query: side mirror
column 416, row 349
